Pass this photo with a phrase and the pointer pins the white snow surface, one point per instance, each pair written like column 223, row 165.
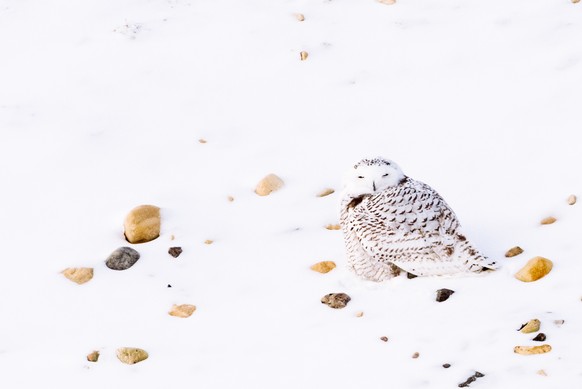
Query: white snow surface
column 103, row 103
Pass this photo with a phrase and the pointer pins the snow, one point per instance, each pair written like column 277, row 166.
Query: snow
column 102, row 104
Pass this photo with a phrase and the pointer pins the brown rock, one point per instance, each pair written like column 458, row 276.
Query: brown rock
column 336, row 300
column 531, row 326
column 575, row 1
column 384, row 338
column 443, row 294
column 230, row 198
column 541, row 337
column 80, row 275
column 175, row 251
column 93, row 357
column 415, row 355
column 303, row 55
column 131, row 355
column 184, row 310
column 208, row 241
column 300, row 17
column 572, row 198
column 268, row 184
column 534, row 269
column 531, row 350
column 202, row 141
column 333, row 227
column 325, row 192
column 142, row 224
column 512, row 252
column 323, row 267
column 548, row 220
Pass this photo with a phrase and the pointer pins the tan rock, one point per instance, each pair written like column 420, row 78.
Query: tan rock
column 80, row 275
column 303, row 55
column 202, row 141
column 300, row 17
column 208, row 241
column 333, row 227
column 184, row 310
column 543, row 372
column 131, row 355
column 575, row 1
column 325, row 192
column 531, row 326
column 93, row 357
column 142, row 224
column 572, row 198
column 323, row 267
column 268, row 184
column 512, row 252
column 388, row 2
column 532, row 350
column 359, row 314
column 230, row 198
column 548, row 220
column 534, row 269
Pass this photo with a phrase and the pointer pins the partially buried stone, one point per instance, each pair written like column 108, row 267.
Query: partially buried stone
column 175, row 251
column 512, row 252
column 131, row 355
column 443, row 294
column 123, row 258
column 336, row 300
column 142, row 224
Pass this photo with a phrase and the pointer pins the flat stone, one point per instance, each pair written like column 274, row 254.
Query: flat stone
column 532, row 350
column 325, row 192
column 336, row 300
column 183, row 310
column 131, row 355
column 333, row 227
column 323, row 267
column 534, row 269
column 512, row 252
column 123, row 258
column 79, row 275
column 548, row 220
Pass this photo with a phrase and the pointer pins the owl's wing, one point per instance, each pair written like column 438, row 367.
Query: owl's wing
column 410, row 226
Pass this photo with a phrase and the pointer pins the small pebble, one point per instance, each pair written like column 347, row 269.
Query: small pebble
column 384, row 338
column 131, row 355
column 336, row 300
column 122, row 259
column 415, row 355
column 559, row 323
column 323, row 267
column 548, row 220
column 542, row 372
column 325, row 192
column 512, row 252
column 333, row 227
column 571, row 200
column 202, row 141
column 540, row 337
column 208, row 241
column 443, row 294
column 175, row 251
column 359, row 314
column 169, row 286
column 532, row 350
column 531, row 326
column 230, row 198
column 447, row 365
column 300, row 17
column 93, row 357
column 303, row 55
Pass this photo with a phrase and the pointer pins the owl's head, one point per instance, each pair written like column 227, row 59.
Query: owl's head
column 372, row 175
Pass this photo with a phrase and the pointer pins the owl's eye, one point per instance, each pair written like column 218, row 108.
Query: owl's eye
column 360, row 176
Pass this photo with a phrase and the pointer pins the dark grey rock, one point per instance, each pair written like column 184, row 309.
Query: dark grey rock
column 123, row 258
column 175, row 251
column 541, row 337
column 443, row 294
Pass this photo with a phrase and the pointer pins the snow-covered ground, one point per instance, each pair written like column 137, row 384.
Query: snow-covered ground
column 103, row 104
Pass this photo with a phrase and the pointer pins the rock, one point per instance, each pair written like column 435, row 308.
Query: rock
column 384, row 338
column 446, row 365
column 572, row 198
column 531, row 326
column 548, row 220
column 415, row 355
column 300, row 17
column 80, row 275
column 541, row 337
column 93, row 357
column 202, row 141
column 184, row 310
column 268, row 184
column 325, row 192
column 123, row 258
column 471, row 379
column 172, row 237
column 131, row 355
column 333, row 227
column 142, row 224
column 532, row 350
column 443, row 294
column 534, row 269
column 230, row 198
column 410, row 276
column 559, row 323
column 359, row 314
column 208, row 241
column 175, row 251
column 542, row 372
column 323, row 267
column 388, row 2
column 336, row 300
column 512, row 252
column 303, row 55
column 575, row 1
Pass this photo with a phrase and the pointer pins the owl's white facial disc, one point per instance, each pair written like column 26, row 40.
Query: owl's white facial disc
column 371, row 176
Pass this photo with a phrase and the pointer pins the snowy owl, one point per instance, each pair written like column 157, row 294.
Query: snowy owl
column 393, row 223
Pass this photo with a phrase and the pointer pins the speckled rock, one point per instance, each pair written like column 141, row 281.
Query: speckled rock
column 142, row 224
column 323, row 267
column 336, row 300
column 531, row 326
column 514, row 251
column 80, row 275
column 534, row 269
column 131, row 355
column 123, row 258
column 183, row 310
column 532, row 350
column 269, row 184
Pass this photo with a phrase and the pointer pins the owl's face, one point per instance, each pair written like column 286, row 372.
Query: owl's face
column 371, row 176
